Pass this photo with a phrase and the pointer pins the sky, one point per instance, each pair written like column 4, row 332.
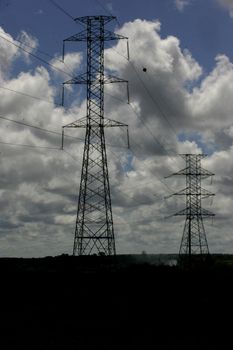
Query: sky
column 182, row 103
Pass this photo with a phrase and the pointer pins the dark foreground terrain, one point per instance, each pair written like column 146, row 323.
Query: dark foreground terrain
column 103, row 303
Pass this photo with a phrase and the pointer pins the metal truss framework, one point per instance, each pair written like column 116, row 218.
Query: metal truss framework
column 94, row 232
column 194, row 237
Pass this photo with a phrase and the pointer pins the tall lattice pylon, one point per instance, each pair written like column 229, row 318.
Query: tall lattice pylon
column 94, row 232
column 194, row 239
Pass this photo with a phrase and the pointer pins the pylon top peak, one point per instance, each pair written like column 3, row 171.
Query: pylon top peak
column 87, row 19
column 194, row 155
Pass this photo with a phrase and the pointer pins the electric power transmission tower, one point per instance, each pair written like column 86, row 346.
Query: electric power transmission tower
column 194, row 240
column 94, row 232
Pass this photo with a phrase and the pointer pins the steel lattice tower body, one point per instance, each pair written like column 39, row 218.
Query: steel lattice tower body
column 94, row 232
column 194, row 240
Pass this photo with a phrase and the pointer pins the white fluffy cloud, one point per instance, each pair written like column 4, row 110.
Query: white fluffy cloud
column 214, row 88
column 228, row 4
column 9, row 50
column 39, row 187
column 8, row 53
column 181, row 4
column 28, row 43
column 70, row 64
column 204, row 110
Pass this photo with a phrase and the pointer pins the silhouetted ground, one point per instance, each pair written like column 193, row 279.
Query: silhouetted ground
column 106, row 303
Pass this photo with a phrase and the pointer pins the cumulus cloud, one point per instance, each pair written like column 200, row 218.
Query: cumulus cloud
column 8, row 53
column 69, row 65
column 181, row 4
column 39, row 187
column 228, row 4
column 27, row 42
column 10, row 50
column 39, row 12
column 110, row 6
column 205, row 110
column 29, row 200
column 211, row 104
column 168, row 71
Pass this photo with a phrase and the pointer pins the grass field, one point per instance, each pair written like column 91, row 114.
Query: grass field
column 106, row 303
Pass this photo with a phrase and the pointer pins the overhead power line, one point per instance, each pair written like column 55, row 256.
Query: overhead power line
column 30, row 146
column 133, row 152
column 139, row 77
column 156, row 140
column 163, row 114
column 51, row 131
column 28, row 95
column 153, row 99
column 118, row 190
column 145, row 125
column 158, row 107
column 70, row 155
column 157, row 177
column 107, row 10
column 34, row 48
column 61, row 9
column 41, row 52
column 145, row 87
column 37, row 57
column 149, row 131
column 38, row 128
column 58, row 69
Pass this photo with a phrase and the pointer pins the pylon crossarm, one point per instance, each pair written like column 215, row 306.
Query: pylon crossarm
column 110, row 79
column 205, row 173
column 111, row 123
column 107, row 123
column 194, row 212
column 181, row 172
column 77, row 124
column 83, row 79
column 200, row 156
column 80, row 123
column 180, row 193
column 205, row 212
column 88, row 19
column 206, row 194
column 187, row 192
column 114, row 36
column 82, row 36
column 181, row 212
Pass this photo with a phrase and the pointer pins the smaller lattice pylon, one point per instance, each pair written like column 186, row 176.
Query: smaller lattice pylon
column 194, row 241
